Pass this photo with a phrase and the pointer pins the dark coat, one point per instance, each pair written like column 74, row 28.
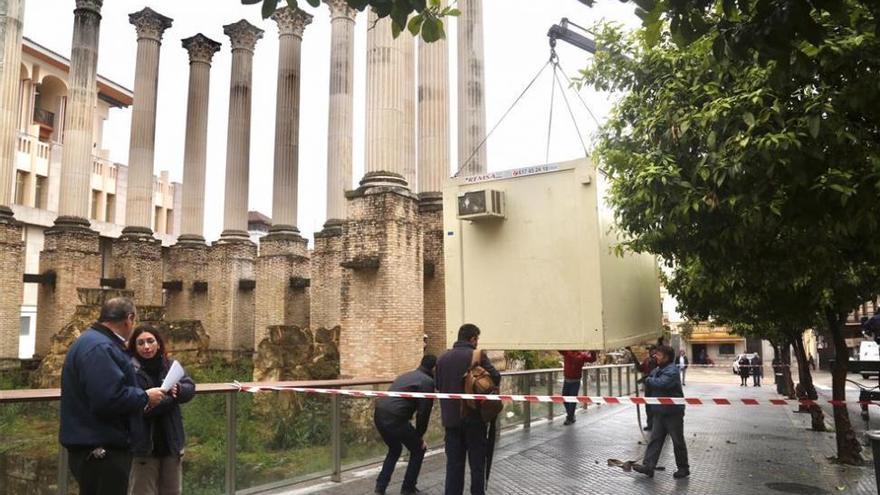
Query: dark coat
column 100, row 399
column 665, row 382
column 399, row 408
column 449, row 376
column 757, row 368
column 744, row 367
column 166, row 412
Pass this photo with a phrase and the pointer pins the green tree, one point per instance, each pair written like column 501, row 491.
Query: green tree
column 732, row 165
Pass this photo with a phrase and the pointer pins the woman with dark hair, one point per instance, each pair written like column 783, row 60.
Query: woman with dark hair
column 158, row 443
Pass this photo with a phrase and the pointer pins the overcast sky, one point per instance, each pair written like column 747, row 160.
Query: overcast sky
column 515, row 49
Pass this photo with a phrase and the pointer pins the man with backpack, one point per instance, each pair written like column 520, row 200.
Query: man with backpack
column 392, row 418
column 466, row 422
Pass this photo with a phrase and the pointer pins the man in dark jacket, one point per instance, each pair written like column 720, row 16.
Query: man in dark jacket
column 466, row 434
column 101, row 401
column 648, row 365
column 757, row 370
column 664, row 381
column 392, row 418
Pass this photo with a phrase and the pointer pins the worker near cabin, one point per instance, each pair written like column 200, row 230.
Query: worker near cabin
column 573, row 364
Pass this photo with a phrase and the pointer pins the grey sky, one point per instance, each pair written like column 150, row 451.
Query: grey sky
column 515, row 48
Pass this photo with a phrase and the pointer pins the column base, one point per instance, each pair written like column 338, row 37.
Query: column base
column 71, row 251
column 190, row 239
column 137, row 258
column 231, row 277
column 381, row 300
column 234, row 236
column 11, row 285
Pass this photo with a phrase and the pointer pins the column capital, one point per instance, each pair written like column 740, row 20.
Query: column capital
column 149, row 24
column 243, row 35
column 291, row 21
column 340, row 8
column 200, row 48
column 92, row 5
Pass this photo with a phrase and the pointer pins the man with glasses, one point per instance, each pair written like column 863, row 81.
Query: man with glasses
column 99, row 399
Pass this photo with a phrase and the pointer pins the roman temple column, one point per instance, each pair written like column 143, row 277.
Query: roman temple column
column 471, row 89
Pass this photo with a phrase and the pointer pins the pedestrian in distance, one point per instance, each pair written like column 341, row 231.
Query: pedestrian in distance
column 101, row 402
column 648, row 365
column 744, row 371
column 573, row 366
column 757, row 370
column 157, row 468
column 664, row 381
column 392, row 419
column 779, row 375
column 466, row 439
column 682, row 364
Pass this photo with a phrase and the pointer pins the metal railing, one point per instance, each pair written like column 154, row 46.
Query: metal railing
column 596, row 380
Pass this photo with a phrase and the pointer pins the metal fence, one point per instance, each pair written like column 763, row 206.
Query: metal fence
column 346, row 417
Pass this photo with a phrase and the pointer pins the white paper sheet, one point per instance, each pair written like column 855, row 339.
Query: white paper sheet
column 175, row 373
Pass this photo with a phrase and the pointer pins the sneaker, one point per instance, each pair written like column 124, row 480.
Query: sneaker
column 681, row 473
column 568, row 421
column 642, row 469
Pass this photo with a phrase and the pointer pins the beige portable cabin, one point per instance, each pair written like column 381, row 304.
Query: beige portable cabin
column 529, row 259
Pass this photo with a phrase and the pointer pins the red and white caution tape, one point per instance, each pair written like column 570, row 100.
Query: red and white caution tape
column 559, row 399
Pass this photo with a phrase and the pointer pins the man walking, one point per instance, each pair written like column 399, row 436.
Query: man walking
column 573, row 365
column 392, row 418
column 682, row 365
column 466, row 433
column 664, row 381
column 100, row 400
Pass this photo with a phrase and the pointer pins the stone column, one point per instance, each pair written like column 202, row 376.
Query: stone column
column 137, row 255
column 11, row 247
column 201, row 51
column 409, row 109
column 471, row 88
column 189, row 300
column 231, row 271
column 382, row 280
column 283, row 264
column 291, row 25
column 71, row 249
column 386, row 100
column 243, row 37
column 340, row 126
column 150, row 26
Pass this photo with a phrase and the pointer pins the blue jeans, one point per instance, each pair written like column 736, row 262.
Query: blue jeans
column 466, row 443
column 396, row 434
column 570, row 388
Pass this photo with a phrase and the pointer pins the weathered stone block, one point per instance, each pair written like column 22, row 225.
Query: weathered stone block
column 282, row 257
column 326, row 277
column 431, row 218
column 186, row 262
column 137, row 257
column 11, row 287
column 231, row 310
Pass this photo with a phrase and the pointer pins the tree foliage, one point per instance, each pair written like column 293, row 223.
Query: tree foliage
column 423, row 17
column 754, row 175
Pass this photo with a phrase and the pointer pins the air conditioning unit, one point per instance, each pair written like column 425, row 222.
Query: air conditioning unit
column 486, row 204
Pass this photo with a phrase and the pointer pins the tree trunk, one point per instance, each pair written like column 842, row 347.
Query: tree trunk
column 805, row 388
column 786, row 371
column 848, row 447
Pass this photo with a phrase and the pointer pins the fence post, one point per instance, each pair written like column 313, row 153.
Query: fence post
column 628, row 381
column 585, row 382
column 527, row 406
column 62, row 470
column 335, row 439
column 610, row 383
column 231, row 440
column 550, row 376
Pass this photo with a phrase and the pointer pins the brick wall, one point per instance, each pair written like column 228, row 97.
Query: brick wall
column 138, row 259
column 326, row 276
column 73, row 254
column 431, row 218
column 381, row 307
column 186, row 263
column 231, row 309
column 11, row 287
column 282, row 256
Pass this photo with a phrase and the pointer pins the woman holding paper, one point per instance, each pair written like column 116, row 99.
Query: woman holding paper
column 158, row 444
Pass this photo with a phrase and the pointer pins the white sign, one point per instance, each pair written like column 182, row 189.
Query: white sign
column 516, row 172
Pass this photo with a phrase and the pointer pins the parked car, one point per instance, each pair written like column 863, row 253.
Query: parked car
column 869, row 351
column 748, row 355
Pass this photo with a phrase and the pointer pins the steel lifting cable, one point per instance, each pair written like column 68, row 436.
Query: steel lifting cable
column 554, row 61
column 506, row 112
column 570, row 112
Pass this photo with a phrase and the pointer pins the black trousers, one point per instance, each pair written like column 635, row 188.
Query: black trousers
column 467, row 443
column 106, row 476
column 673, row 426
column 570, row 388
column 756, row 379
column 396, row 434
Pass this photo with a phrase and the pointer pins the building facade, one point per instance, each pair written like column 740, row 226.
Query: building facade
column 37, row 184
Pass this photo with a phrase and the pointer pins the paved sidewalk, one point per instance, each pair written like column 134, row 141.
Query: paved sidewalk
column 733, row 450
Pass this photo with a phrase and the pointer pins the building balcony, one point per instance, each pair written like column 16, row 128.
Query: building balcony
column 44, row 118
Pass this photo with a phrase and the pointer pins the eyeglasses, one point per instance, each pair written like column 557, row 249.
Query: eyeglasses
column 146, row 341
